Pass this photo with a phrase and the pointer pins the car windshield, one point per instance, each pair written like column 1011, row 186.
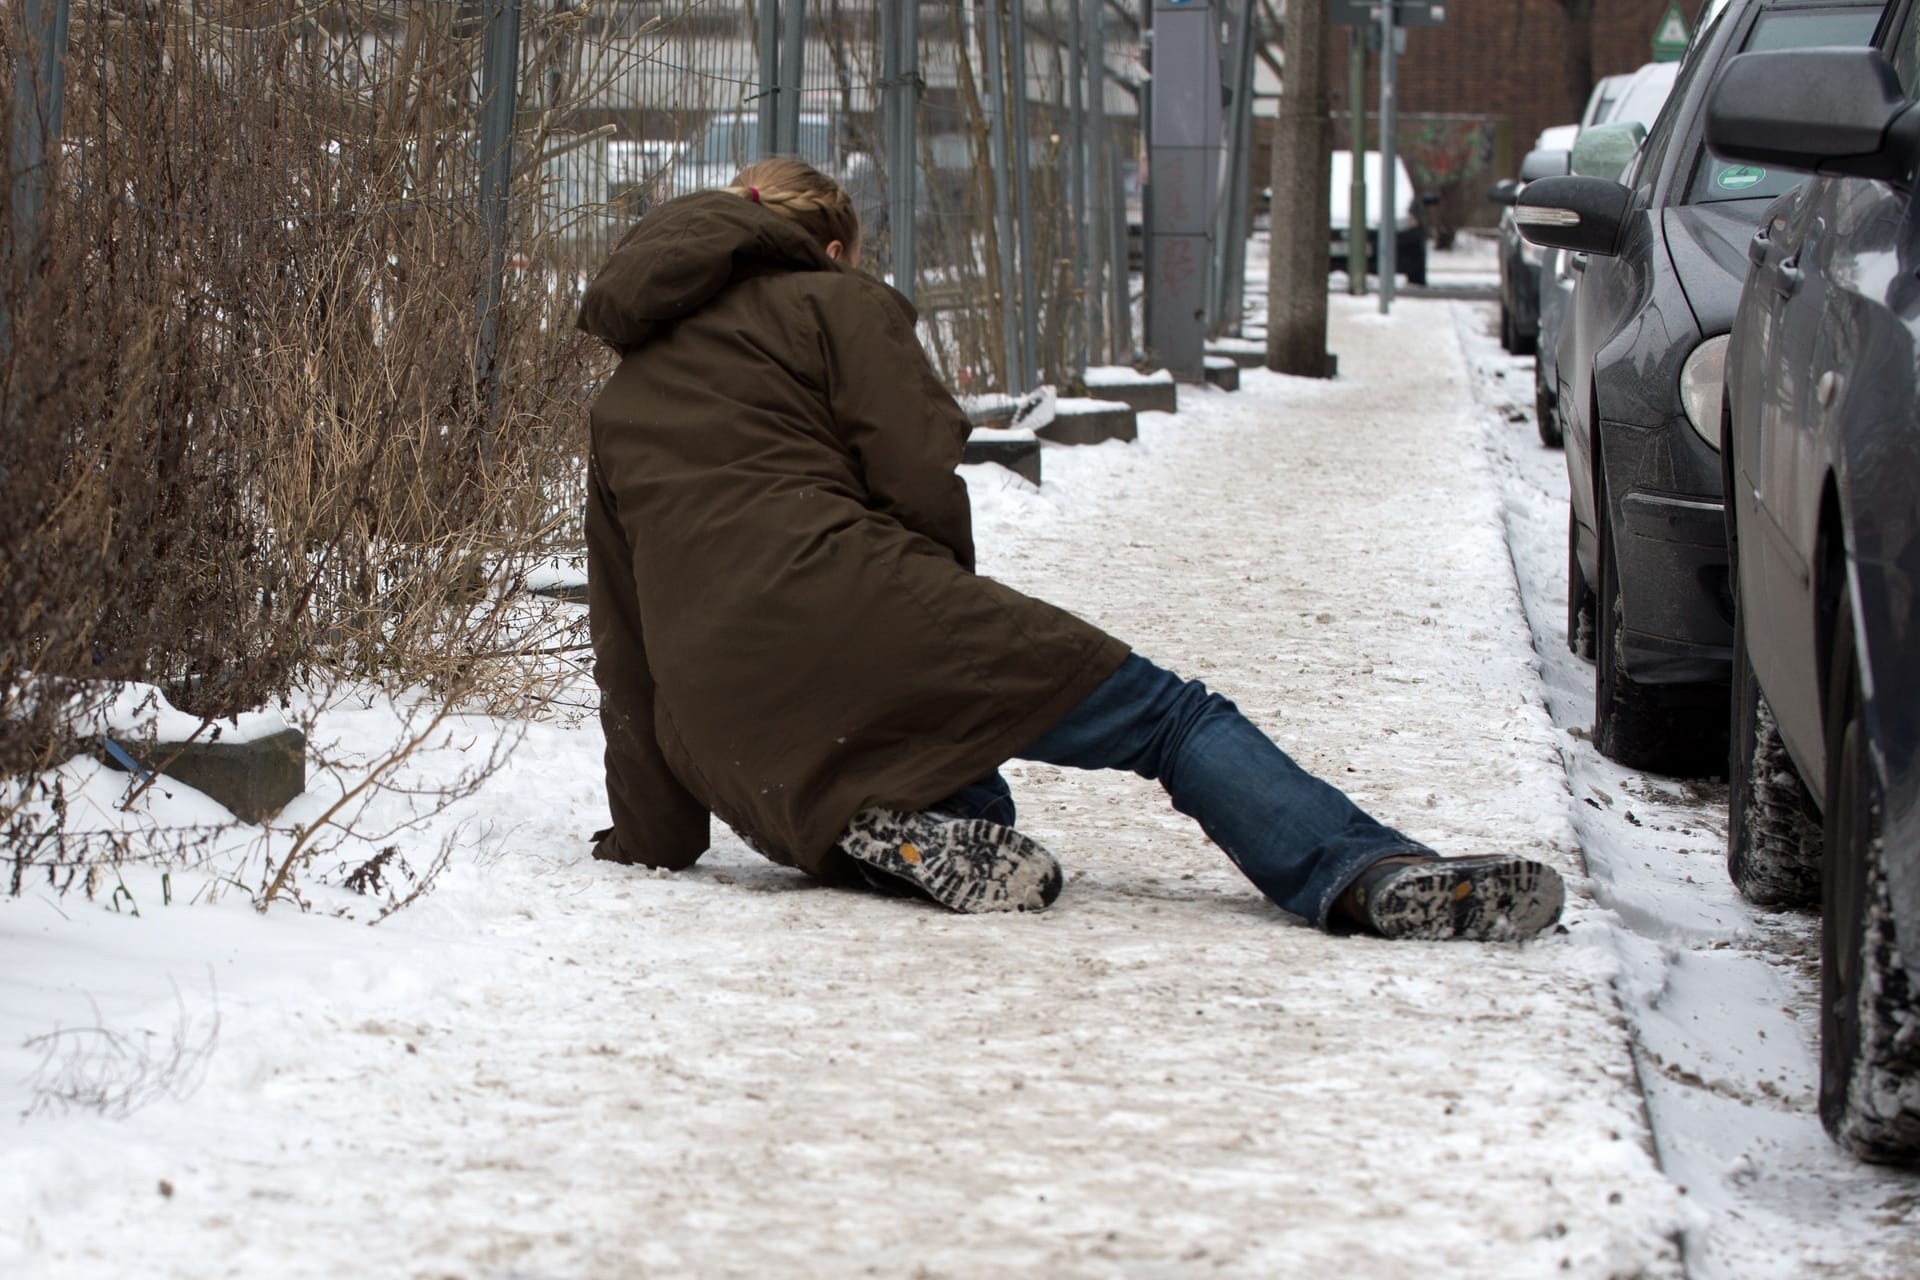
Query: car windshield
column 1717, row 179
column 1642, row 99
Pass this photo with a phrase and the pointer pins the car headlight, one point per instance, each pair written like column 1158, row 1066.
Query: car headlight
column 1702, row 379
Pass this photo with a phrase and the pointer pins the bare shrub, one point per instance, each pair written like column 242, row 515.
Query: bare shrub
column 115, row 1073
column 250, row 434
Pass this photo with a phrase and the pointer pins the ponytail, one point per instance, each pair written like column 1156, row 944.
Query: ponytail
column 796, row 190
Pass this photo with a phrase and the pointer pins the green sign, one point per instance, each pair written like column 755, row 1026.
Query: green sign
column 1739, row 177
column 1670, row 37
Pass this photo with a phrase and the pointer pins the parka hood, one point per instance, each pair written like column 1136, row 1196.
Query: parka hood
column 683, row 254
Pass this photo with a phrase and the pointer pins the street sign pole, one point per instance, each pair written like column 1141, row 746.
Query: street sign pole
column 1357, row 149
column 1357, row 225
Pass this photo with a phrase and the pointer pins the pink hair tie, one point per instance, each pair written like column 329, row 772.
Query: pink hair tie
column 753, row 194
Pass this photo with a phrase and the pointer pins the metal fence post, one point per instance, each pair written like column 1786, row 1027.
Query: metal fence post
column 1022, row 158
column 769, row 94
column 890, row 150
column 793, row 74
column 1113, row 187
column 1077, row 188
column 1389, row 219
column 1002, row 201
column 1356, row 151
column 499, row 100
column 1230, row 227
column 901, row 76
column 39, row 100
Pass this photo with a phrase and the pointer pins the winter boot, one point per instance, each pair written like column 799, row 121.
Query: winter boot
column 1495, row 898
column 968, row 865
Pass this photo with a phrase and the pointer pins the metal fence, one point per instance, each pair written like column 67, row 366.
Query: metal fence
column 993, row 146
column 991, row 149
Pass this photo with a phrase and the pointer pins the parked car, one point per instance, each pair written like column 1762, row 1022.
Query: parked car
column 1638, row 384
column 1410, row 225
column 1519, row 258
column 729, row 140
column 1635, row 97
column 1821, row 455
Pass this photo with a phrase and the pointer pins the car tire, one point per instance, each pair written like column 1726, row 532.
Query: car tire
column 1506, row 328
column 1773, row 827
column 1672, row 729
column 1521, row 344
column 1545, row 415
column 1580, row 597
column 1416, row 265
column 1869, row 1025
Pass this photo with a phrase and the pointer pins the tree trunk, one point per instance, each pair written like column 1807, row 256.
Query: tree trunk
column 1577, row 54
column 1299, row 233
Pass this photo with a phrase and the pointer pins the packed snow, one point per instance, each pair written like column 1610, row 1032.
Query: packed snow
column 548, row 1066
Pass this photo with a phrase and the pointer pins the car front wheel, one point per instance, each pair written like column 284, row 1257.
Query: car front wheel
column 1580, row 598
column 1545, row 415
column 1869, row 1025
column 1416, row 264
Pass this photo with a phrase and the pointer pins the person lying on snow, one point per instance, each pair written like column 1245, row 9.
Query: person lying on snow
column 789, row 633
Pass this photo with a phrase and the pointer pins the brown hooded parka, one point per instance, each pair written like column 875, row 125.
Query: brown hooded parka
column 786, row 622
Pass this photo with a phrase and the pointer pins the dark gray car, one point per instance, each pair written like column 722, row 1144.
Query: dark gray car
column 1821, row 451
column 1637, row 98
column 1639, row 370
column 1520, row 259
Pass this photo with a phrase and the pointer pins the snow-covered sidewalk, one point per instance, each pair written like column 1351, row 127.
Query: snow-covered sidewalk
column 551, row 1067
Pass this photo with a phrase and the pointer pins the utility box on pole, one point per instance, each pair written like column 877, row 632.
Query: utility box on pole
column 1183, row 182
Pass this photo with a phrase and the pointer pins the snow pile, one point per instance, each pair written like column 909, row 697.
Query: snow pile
column 551, row 1066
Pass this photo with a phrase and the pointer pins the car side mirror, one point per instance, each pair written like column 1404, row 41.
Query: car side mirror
column 1576, row 213
column 1505, row 191
column 1543, row 162
column 1603, row 150
column 1818, row 110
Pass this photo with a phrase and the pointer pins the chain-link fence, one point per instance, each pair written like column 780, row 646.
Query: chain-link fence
column 1001, row 213
column 288, row 369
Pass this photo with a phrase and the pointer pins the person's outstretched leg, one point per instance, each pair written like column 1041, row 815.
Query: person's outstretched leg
column 1299, row 839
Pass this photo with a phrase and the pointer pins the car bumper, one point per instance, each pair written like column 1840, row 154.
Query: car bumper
column 1676, row 597
column 1406, row 246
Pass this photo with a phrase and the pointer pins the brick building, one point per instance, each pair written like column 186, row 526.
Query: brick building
column 1494, row 76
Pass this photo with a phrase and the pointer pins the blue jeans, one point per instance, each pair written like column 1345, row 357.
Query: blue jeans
column 1298, row 839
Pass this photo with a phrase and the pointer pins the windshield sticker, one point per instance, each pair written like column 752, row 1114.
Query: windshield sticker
column 1739, row 177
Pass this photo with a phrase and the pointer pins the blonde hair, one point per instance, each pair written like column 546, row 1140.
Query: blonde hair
column 798, row 191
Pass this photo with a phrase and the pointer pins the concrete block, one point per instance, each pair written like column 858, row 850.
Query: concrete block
column 1090, row 421
column 1144, row 394
column 1223, row 373
column 254, row 778
column 1017, row 452
column 1244, row 352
